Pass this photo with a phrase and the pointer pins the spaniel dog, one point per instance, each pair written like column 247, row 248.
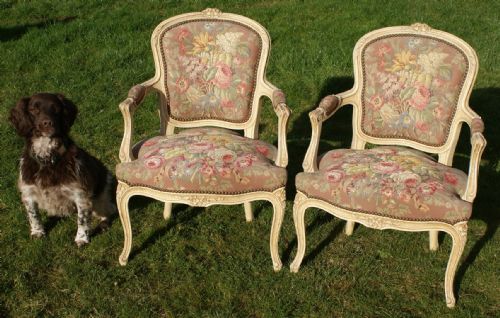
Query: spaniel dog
column 55, row 174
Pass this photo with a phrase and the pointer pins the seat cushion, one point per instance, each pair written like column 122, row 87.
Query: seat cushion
column 204, row 160
column 389, row 181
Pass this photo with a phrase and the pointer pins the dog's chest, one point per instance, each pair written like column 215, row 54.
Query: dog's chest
column 43, row 147
column 56, row 200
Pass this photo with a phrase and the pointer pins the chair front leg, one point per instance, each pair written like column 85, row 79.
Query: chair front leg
column 459, row 236
column 299, row 211
column 279, row 205
column 122, row 204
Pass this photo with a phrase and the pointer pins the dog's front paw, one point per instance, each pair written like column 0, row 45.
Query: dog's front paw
column 36, row 234
column 81, row 238
column 81, row 242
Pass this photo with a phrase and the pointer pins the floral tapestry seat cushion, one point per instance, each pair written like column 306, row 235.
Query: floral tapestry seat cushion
column 204, row 160
column 396, row 182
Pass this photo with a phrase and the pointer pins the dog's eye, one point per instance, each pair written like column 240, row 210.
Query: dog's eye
column 34, row 109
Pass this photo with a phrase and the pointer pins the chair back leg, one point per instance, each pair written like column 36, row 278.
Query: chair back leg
column 248, row 211
column 433, row 240
column 349, row 227
column 167, row 210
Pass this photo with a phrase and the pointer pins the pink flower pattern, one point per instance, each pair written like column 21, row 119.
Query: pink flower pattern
column 211, row 160
column 410, row 87
column 211, row 69
column 391, row 181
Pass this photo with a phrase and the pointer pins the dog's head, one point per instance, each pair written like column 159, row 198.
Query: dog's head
column 43, row 114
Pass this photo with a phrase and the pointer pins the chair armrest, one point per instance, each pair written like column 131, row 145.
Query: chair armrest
column 137, row 93
column 325, row 110
column 278, row 100
column 135, row 97
column 478, row 143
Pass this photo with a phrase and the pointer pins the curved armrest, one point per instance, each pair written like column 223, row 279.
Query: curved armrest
column 478, row 143
column 137, row 93
column 135, row 97
column 278, row 100
column 325, row 110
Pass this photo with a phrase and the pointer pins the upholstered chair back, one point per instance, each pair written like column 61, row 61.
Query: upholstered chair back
column 210, row 69
column 413, row 83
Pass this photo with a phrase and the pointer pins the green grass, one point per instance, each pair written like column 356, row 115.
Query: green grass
column 210, row 262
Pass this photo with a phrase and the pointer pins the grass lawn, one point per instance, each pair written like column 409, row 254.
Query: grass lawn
column 210, row 262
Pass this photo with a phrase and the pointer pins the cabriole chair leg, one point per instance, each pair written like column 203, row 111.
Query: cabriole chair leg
column 298, row 219
column 459, row 236
column 122, row 204
column 278, row 215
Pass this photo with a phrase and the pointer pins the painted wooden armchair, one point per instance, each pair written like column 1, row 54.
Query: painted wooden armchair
column 410, row 96
column 210, row 79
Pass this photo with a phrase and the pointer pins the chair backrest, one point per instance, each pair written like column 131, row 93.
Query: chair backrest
column 210, row 68
column 413, row 85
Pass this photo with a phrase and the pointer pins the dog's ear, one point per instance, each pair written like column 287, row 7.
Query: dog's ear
column 20, row 118
column 69, row 110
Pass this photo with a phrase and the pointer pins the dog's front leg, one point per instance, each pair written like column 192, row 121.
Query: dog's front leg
column 84, row 206
column 36, row 227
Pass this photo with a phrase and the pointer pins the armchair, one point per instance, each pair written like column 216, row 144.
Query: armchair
column 410, row 97
column 210, row 79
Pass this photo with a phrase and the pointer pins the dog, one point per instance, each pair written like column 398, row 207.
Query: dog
column 55, row 174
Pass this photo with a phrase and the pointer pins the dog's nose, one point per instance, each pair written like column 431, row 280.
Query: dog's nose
column 46, row 123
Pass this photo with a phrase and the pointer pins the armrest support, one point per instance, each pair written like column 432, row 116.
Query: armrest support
column 478, row 143
column 325, row 110
column 283, row 112
column 135, row 97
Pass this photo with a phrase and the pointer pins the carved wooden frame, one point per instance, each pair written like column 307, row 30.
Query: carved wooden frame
column 330, row 104
column 167, row 127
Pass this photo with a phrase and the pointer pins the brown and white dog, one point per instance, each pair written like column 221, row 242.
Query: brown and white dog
column 55, row 174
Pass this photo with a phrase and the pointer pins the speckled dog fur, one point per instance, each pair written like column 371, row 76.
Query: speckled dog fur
column 56, row 175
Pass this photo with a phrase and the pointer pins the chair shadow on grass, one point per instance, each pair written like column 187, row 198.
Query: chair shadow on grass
column 181, row 213
column 340, row 130
column 15, row 32
column 335, row 133
column 487, row 203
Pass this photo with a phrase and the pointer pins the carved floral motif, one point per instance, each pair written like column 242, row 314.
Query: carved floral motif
column 212, row 12
column 421, row 27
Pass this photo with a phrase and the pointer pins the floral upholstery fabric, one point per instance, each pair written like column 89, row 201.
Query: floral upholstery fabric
column 210, row 69
column 411, row 88
column 204, row 160
column 389, row 181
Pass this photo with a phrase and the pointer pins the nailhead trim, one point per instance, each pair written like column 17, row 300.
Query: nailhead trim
column 199, row 192
column 381, row 214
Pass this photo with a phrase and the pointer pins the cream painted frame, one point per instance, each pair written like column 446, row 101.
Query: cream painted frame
column 330, row 104
column 167, row 127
